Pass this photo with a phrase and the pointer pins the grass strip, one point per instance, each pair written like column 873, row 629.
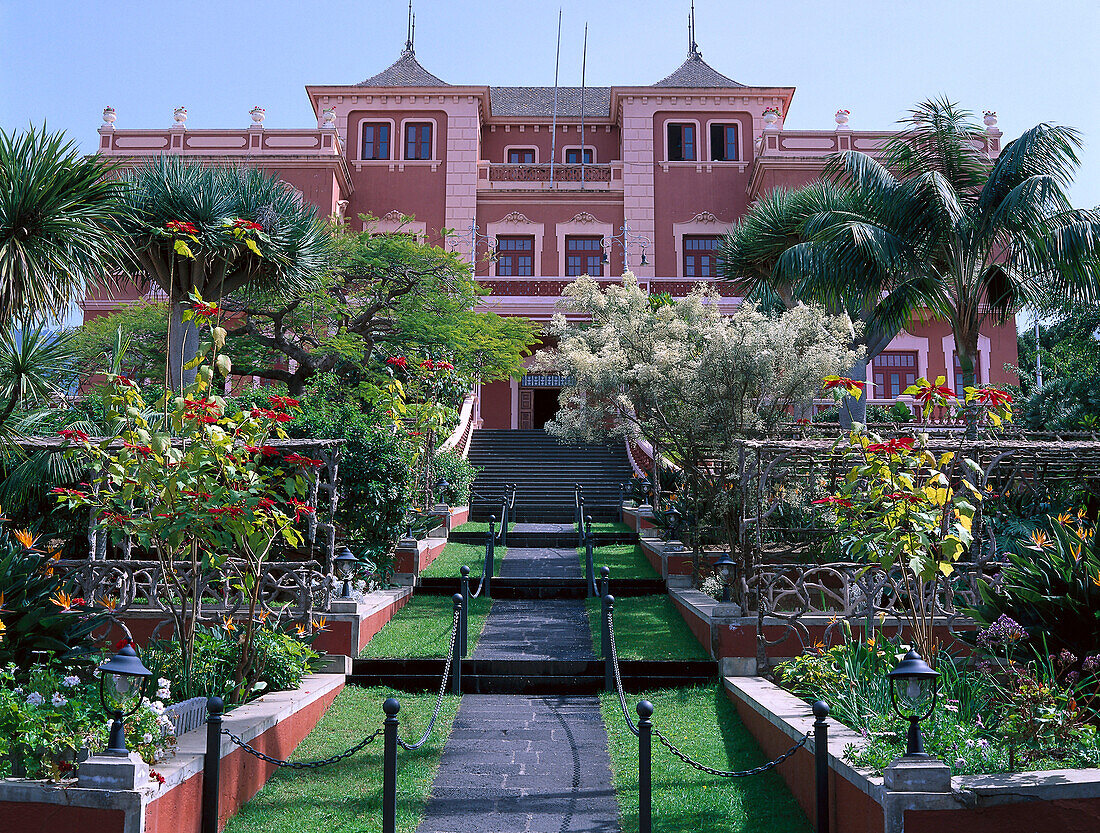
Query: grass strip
column 704, row 724
column 647, row 627
column 625, row 561
column 347, row 796
column 455, row 554
column 422, row 628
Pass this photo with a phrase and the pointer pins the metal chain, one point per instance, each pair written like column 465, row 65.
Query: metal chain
column 722, row 774
column 618, row 676
column 480, row 584
column 442, row 688
column 302, row 764
column 668, row 744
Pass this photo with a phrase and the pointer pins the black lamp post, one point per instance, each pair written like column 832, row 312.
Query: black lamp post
column 647, row 487
column 675, row 518
column 345, row 564
column 913, row 690
column 724, row 565
column 441, row 487
column 123, row 680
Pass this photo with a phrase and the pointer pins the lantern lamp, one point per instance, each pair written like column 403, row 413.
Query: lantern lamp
column 441, row 488
column 914, row 686
column 724, row 565
column 123, row 680
column 345, row 564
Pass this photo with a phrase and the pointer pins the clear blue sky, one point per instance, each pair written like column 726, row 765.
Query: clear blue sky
column 61, row 62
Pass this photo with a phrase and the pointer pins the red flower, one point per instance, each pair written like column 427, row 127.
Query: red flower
column 903, row 496
column 156, row 776
column 266, row 504
column 892, row 446
column 181, row 227
column 992, row 396
column 300, row 509
column 194, row 494
column 247, row 224
column 125, row 382
column 836, row 501
column 141, row 449
column 58, row 490
column 842, row 382
column 284, row 417
column 71, row 434
column 802, row 421
column 282, row 402
column 398, row 361
column 204, row 308
column 299, row 460
column 929, row 392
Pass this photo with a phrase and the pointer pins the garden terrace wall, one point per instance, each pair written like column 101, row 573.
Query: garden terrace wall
column 349, row 624
column 414, row 555
column 274, row 724
column 1067, row 801
column 731, row 638
column 665, row 560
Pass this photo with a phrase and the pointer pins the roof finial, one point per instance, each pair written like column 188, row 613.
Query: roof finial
column 693, row 47
column 410, row 30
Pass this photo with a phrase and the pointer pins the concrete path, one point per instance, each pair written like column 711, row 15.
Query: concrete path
column 515, row 764
column 518, row 764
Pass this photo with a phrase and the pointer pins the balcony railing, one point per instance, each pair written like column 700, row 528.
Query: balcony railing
column 505, row 175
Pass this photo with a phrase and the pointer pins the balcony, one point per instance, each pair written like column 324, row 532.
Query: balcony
column 502, row 176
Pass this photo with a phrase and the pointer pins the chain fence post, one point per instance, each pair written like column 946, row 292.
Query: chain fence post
column 211, row 765
column 608, row 661
column 464, row 585
column 645, row 770
column 505, row 511
column 456, row 649
column 821, row 764
column 490, row 556
column 389, row 766
column 605, row 581
column 589, row 568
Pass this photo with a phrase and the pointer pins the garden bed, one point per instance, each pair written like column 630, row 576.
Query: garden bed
column 1064, row 800
column 423, row 628
column 704, row 724
column 348, row 795
column 274, row 724
column 646, row 627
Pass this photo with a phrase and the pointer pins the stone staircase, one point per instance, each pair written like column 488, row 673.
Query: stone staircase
column 544, row 471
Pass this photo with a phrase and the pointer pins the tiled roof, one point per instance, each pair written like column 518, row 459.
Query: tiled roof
column 539, row 101
column 695, row 72
column 404, row 72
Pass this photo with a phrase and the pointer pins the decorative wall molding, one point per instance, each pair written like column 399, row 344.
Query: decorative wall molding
column 518, row 218
column 583, row 217
column 704, row 217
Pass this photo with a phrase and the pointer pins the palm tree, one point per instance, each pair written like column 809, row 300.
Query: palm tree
column 784, row 252
column 211, row 231
column 58, row 225
column 990, row 235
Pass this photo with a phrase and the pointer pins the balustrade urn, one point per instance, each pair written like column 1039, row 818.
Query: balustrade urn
column 258, row 114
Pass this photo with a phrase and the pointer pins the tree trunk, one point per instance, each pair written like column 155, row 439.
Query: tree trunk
column 852, row 409
column 183, row 345
column 966, row 345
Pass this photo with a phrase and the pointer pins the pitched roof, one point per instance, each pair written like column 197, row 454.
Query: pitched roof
column 539, row 101
column 695, row 72
column 404, row 72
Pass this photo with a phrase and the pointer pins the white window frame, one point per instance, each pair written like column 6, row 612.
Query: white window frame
column 698, row 131
column 509, row 148
column 740, row 141
column 435, row 139
column 595, row 159
column 359, row 137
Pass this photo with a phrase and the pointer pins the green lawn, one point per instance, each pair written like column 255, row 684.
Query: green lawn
column 455, row 554
column 610, row 526
column 422, row 628
column 647, row 627
column 347, row 796
column 704, row 724
column 477, row 526
column 625, row 561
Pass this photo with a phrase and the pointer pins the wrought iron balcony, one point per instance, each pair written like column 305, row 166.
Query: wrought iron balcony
column 511, row 176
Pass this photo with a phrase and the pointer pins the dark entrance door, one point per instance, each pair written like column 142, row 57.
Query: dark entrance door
column 545, row 406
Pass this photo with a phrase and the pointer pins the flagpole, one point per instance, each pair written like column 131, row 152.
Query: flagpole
column 554, row 121
column 584, row 60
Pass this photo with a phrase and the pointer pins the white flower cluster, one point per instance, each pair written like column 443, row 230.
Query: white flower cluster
column 70, row 681
column 58, row 700
column 35, row 699
column 164, row 689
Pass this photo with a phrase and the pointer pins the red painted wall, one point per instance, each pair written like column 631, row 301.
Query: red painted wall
column 52, row 818
column 496, row 405
column 495, row 139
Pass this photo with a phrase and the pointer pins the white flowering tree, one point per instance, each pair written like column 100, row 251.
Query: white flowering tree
column 688, row 379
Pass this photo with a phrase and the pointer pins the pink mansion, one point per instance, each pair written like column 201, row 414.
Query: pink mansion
column 556, row 184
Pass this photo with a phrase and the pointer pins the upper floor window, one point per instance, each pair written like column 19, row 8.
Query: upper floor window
column 515, row 256
column 723, row 142
column 418, row 141
column 700, row 256
column 583, row 256
column 521, row 156
column 681, row 142
column 376, row 140
column 573, row 156
column 893, row 371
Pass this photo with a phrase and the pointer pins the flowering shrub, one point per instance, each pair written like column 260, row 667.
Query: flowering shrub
column 199, row 488
column 52, row 714
column 980, row 725
column 911, row 514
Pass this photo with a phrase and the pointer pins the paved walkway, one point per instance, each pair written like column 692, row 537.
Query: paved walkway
column 517, row 764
